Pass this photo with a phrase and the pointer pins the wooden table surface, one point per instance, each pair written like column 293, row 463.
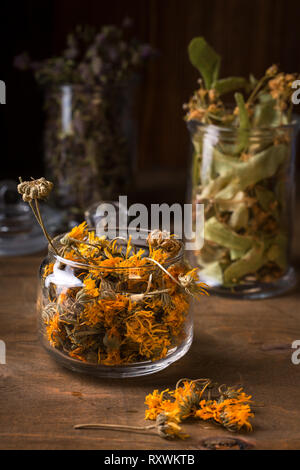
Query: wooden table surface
column 235, row 341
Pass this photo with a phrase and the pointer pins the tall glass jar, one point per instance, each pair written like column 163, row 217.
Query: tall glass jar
column 246, row 182
column 113, row 322
column 89, row 144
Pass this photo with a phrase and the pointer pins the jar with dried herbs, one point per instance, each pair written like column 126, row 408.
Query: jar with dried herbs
column 90, row 128
column 89, row 143
column 114, row 307
column 243, row 172
column 248, row 198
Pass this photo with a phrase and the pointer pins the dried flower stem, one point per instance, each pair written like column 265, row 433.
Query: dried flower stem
column 258, row 86
column 138, row 297
column 36, row 210
column 40, row 220
column 116, row 427
column 164, row 270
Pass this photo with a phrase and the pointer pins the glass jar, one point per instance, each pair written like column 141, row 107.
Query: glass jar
column 102, row 214
column 90, row 144
column 113, row 322
column 246, row 182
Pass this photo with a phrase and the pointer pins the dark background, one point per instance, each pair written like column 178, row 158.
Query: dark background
column 250, row 35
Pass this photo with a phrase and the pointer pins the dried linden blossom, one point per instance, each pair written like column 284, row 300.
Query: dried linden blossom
column 243, row 186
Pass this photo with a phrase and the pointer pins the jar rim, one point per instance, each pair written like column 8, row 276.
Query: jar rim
column 122, row 85
column 216, row 129
column 149, row 265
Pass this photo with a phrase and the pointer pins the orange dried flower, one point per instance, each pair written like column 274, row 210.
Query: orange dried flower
column 231, row 408
column 79, row 232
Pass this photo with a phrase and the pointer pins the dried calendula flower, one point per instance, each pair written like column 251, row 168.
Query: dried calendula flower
column 33, row 191
column 233, row 414
column 163, row 240
column 168, row 428
column 202, row 399
column 190, row 284
column 165, row 427
column 198, row 399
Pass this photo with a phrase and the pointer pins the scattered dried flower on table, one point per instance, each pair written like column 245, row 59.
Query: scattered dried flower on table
column 199, row 399
column 204, row 400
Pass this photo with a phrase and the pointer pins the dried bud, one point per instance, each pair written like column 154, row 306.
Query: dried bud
column 163, row 240
column 172, row 246
column 162, row 426
column 83, row 297
column 167, row 428
column 271, row 71
column 106, row 290
column 35, row 189
column 185, row 280
column 156, row 237
column 49, row 311
column 66, row 242
column 213, row 95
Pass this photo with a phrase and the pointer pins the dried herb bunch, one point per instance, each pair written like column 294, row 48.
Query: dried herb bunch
column 108, row 302
column 196, row 400
column 241, row 170
column 201, row 399
column 89, row 137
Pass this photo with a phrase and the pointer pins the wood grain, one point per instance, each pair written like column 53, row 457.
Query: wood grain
column 235, row 341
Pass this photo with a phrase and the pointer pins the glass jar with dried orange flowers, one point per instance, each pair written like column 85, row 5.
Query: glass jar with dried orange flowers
column 243, row 172
column 114, row 307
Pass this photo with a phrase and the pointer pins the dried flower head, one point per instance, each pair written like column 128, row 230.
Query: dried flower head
column 271, row 71
column 35, row 189
column 164, row 240
column 201, row 399
column 168, row 428
column 187, row 279
column 156, row 237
